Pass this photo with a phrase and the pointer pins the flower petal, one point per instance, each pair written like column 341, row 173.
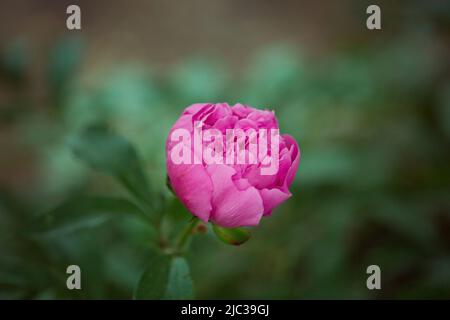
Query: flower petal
column 265, row 119
column 272, row 198
column 292, row 145
column 192, row 185
column 194, row 108
column 220, row 111
column 233, row 207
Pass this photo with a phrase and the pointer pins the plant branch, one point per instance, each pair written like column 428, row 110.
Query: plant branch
column 185, row 234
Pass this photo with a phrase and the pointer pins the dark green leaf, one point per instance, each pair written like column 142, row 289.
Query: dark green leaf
column 165, row 278
column 112, row 154
column 168, row 184
column 104, row 150
column 84, row 211
column 65, row 59
column 14, row 60
column 234, row 236
column 153, row 282
column 179, row 285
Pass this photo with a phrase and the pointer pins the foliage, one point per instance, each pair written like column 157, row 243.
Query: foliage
column 372, row 188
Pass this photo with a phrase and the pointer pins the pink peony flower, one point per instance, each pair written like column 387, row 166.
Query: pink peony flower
column 224, row 176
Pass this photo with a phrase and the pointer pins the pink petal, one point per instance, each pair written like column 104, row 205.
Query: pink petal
column 194, row 108
column 185, row 121
column 242, row 184
column 245, row 124
column 203, row 113
column 220, row 110
column 265, row 118
column 292, row 145
column 233, row 207
column 284, row 165
column 225, row 123
column 253, row 174
column 272, row 198
column 193, row 186
column 241, row 111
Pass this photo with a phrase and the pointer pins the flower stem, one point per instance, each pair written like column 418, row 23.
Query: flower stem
column 184, row 235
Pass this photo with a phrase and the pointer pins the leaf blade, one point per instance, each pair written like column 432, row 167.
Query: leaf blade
column 179, row 286
column 153, row 281
column 74, row 211
column 112, row 154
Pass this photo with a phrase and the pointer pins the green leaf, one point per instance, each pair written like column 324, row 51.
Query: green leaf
column 112, row 154
column 179, row 285
column 169, row 185
column 165, row 278
column 234, row 236
column 14, row 61
column 153, row 282
column 104, row 150
column 65, row 59
column 84, row 211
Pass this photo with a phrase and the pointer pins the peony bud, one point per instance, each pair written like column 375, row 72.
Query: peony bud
column 229, row 165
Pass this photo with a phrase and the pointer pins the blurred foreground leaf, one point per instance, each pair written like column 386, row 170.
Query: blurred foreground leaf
column 85, row 211
column 65, row 58
column 165, row 278
column 179, row 285
column 112, row 154
column 14, row 61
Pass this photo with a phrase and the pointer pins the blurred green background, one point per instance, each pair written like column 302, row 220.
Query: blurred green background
column 370, row 110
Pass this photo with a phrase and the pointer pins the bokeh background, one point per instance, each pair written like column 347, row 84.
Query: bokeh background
column 370, row 109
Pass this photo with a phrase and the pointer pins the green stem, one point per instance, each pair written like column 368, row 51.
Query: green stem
column 184, row 235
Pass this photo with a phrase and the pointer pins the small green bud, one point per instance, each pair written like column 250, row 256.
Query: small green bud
column 234, row 236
